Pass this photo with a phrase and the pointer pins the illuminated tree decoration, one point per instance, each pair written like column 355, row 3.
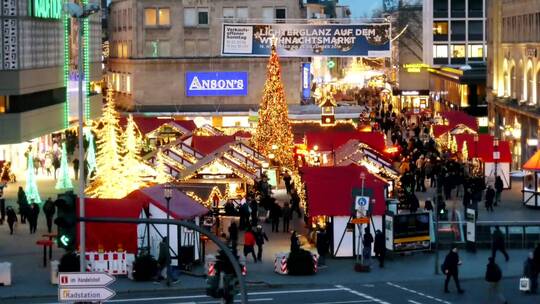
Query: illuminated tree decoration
column 31, row 188
column 465, row 151
column 162, row 175
column 91, row 151
column 273, row 136
column 108, row 181
column 64, row 181
column 133, row 167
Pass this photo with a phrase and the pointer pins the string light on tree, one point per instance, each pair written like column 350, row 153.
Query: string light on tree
column 162, row 175
column 273, row 128
column 132, row 164
column 90, row 151
column 31, row 188
column 64, row 181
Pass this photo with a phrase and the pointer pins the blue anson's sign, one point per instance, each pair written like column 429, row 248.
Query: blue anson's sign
column 216, row 83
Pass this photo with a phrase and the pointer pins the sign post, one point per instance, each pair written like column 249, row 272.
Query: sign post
column 84, row 287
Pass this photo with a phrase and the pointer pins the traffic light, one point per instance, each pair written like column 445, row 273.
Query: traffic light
column 66, row 220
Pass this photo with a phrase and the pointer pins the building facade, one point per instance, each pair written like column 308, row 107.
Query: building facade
column 37, row 51
column 155, row 44
column 454, row 31
column 514, row 74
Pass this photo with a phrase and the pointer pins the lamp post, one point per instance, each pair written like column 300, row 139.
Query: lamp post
column 167, row 193
column 496, row 156
column 80, row 13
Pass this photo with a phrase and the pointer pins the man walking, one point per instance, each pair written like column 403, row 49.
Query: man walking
column 49, row 209
column 76, row 168
column 275, row 214
column 260, row 237
column 287, row 215
column 322, row 245
column 249, row 244
column 490, row 195
column 493, row 277
column 164, row 261
column 380, row 247
column 450, row 269
column 498, row 243
column 498, row 189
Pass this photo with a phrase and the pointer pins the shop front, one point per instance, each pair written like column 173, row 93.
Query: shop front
column 415, row 101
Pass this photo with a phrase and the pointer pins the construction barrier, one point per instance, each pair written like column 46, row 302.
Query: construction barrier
column 210, row 265
column 280, row 262
column 114, row 263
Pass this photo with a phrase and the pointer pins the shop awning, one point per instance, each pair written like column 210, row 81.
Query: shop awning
column 440, row 130
column 456, row 118
column 484, row 148
column 208, row 144
column 329, row 189
column 533, row 163
column 330, row 141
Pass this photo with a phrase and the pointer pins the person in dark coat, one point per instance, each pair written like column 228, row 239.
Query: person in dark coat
column 493, row 277
column 530, row 271
column 76, row 168
column 380, row 247
column 295, row 202
column 33, row 217
column 287, row 216
column 49, row 209
column 22, row 201
column 322, row 245
column 11, row 218
column 498, row 243
column 56, row 165
column 287, row 180
column 260, row 237
column 367, row 243
column 490, row 195
column 233, row 235
column 498, row 189
column 450, row 269
column 295, row 243
column 414, row 204
column 254, row 212
column 275, row 214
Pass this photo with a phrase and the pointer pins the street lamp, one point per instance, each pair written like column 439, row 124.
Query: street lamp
column 80, row 13
column 167, row 193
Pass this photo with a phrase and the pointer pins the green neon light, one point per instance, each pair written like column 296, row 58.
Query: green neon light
column 66, row 68
column 45, row 9
column 86, row 63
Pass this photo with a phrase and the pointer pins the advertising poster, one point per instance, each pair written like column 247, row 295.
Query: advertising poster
column 306, row 80
column 307, row 40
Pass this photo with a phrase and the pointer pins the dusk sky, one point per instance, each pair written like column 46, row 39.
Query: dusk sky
column 359, row 8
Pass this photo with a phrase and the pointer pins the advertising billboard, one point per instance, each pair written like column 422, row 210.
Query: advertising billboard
column 216, row 83
column 306, row 80
column 307, row 40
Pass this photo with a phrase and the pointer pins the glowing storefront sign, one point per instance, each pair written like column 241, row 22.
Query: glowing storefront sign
column 46, row 9
column 415, row 67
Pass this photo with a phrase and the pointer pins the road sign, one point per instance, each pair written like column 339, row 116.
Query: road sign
column 81, row 279
column 362, row 204
column 360, row 220
column 84, row 294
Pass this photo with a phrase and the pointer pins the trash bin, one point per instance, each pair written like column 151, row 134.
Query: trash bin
column 54, row 272
column 5, row 274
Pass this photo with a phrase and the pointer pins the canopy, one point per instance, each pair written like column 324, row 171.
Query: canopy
column 485, row 147
column 182, row 207
column 331, row 140
column 329, row 189
column 149, row 124
column 533, row 163
column 111, row 236
column 458, row 117
column 208, row 144
column 439, row 130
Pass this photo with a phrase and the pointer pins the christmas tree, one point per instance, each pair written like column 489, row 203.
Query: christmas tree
column 32, row 193
column 133, row 166
column 162, row 175
column 64, row 181
column 273, row 136
column 108, row 181
column 90, row 152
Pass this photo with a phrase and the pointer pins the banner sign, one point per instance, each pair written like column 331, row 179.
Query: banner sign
column 45, row 9
column 307, row 40
column 306, row 80
column 216, row 83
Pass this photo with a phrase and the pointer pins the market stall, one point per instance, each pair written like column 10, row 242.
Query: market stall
column 331, row 195
column 531, row 181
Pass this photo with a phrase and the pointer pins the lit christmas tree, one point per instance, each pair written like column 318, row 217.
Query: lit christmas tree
column 465, row 152
column 273, row 136
column 133, row 166
column 90, row 152
column 31, row 189
column 64, row 181
column 162, row 175
column 108, row 181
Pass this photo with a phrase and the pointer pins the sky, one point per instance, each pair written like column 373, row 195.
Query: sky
column 361, row 8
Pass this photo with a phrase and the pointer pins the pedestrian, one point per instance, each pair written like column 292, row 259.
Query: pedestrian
column 245, row 213
column 164, row 262
column 530, row 272
column 498, row 189
column 260, row 237
column 76, row 167
column 493, row 277
column 322, row 245
column 49, row 209
column 367, row 245
column 254, row 208
column 287, row 180
column 287, row 216
column 11, row 218
column 275, row 214
column 56, row 165
column 249, row 244
column 295, row 202
column 233, row 235
column 498, row 243
column 2, row 210
column 295, row 243
column 22, row 201
column 380, row 247
column 490, row 195
column 450, row 269
column 33, row 217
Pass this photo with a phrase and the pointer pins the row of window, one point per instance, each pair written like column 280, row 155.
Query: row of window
column 458, row 30
column 161, row 16
column 523, row 28
column 121, row 20
column 162, row 48
column 120, row 82
column 120, row 49
column 458, row 51
column 458, row 8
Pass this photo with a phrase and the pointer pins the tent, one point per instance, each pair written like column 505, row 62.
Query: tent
column 182, row 207
column 531, row 193
column 331, row 192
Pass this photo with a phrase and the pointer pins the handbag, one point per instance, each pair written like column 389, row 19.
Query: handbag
column 524, row 284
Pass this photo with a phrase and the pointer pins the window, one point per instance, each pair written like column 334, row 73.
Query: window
column 440, row 8
column 114, row 21
column 440, row 51
column 150, row 17
column 458, row 8
column 164, row 48
column 476, row 30
column 130, row 17
column 195, row 17
column 189, row 47
column 151, row 49
column 458, row 30
column 475, row 51
column 3, row 104
column 242, row 13
column 440, row 31
column 281, row 13
column 475, row 8
column 228, row 12
column 203, row 48
column 164, row 16
column 268, row 14
column 128, row 83
column 124, row 20
column 458, row 50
